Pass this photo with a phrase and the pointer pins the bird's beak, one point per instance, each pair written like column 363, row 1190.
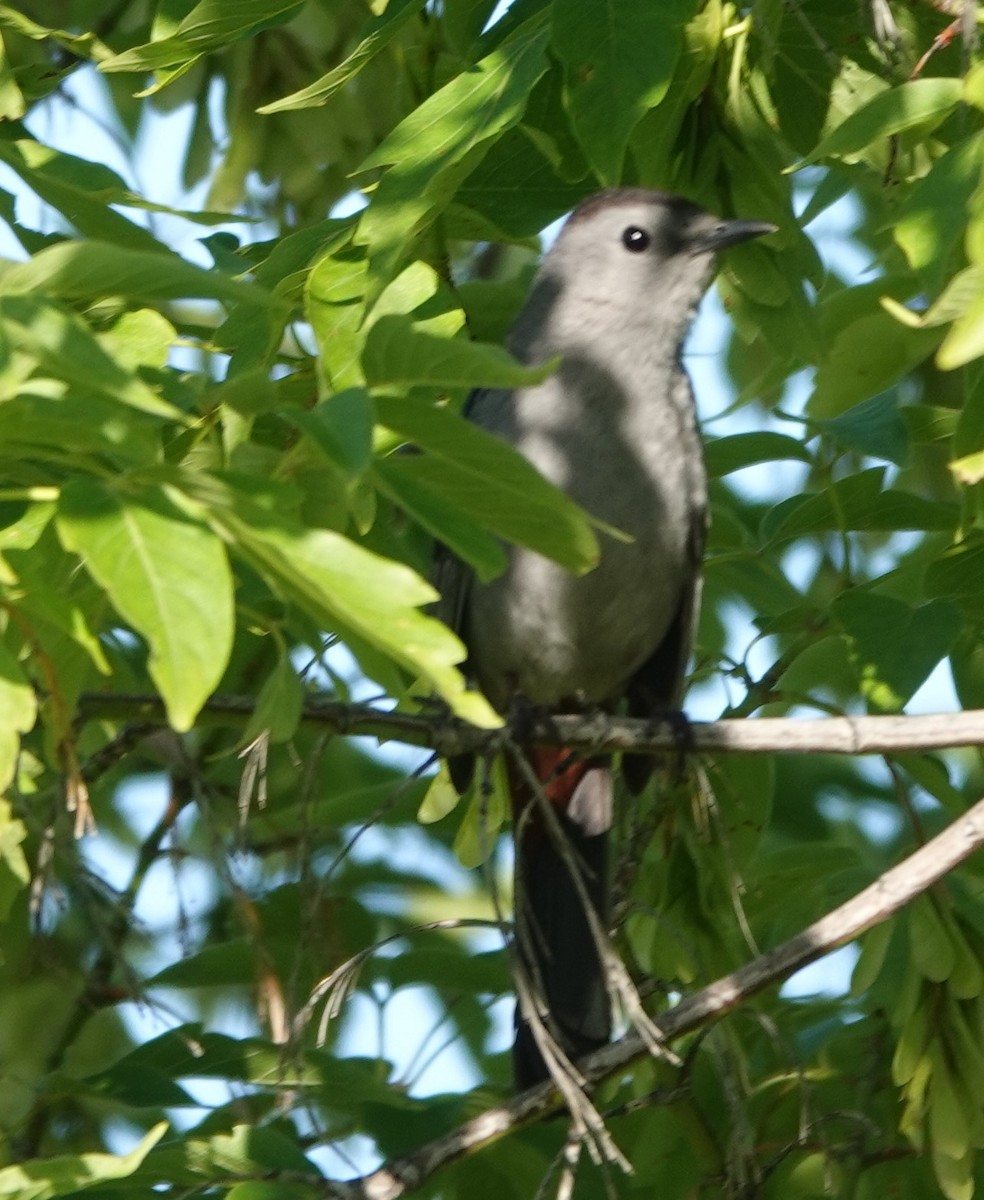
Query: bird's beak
column 722, row 234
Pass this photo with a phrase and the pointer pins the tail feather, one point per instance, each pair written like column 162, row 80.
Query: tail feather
column 555, row 935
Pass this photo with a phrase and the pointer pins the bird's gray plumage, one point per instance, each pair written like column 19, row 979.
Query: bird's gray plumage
column 615, row 428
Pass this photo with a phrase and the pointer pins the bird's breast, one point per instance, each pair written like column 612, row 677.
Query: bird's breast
column 633, row 462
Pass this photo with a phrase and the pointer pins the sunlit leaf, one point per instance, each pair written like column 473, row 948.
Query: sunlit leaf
column 350, row 589
column 918, row 102
column 75, row 270
column 486, row 480
column 65, row 346
column 618, row 58
column 18, row 709
column 433, row 149
column 167, row 576
column 398, row 353
column 377, row 34
column 209, row 24
column 44, row 1179
column 15, row 872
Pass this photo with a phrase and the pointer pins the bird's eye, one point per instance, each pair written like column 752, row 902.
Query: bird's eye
column 635, row 239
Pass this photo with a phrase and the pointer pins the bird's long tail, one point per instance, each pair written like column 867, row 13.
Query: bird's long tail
column 555, row 940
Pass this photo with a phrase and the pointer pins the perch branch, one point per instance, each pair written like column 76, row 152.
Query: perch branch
column 595, row 732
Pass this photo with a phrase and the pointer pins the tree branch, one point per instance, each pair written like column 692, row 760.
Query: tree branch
column 594, row 733
column 895, row 888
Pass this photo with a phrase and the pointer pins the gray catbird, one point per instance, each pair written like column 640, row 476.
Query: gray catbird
column 615, row 428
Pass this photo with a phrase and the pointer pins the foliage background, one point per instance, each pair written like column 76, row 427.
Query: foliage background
column 200, row 497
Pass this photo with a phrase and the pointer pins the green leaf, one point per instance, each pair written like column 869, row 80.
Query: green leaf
column 873, row 427
column 486, row 479
column 967, row 977
column 492, row 306
column 956, row 297
column 334, row 295
column 15, row 873
column 933, row 214
column 931, row 774
column 418, row 285
column 205, row 1158
column 744, row 785
column 270, row 1191
column 969, row 469
column 46, row 1178
column 419, row 292
column 947, row 1119
column 514, row 191
column 18, row 711
column 724, row 455
column 138, row 1087
column 140, row 339
column 351, row 590
column 376, row 34
column 428, row 494
column 398, row 353
column 278, row 705
column 954, row 1175
column 84, row 45
column 79, row 189
column 445, row 966
column 55, row 604
column 440, row 798
column 919, row 102
column 965, row 340
column 894, row 647
column 910, row 1050
column 967, row 669
column 12, row 103
column 867, row 356
column 80, row 270
column 855, row 503
column 932, row 950
column 192, row 1051
column 59, row 422
column 341, row 426
column 874, row 949
column 431, row 150
column 64, row 345
column 223, row 964
column 167, row 576
column 210, row 25
column 485, row 815
column 23, row 530
column 927, row 424
column 957, row 573
column 619, row 57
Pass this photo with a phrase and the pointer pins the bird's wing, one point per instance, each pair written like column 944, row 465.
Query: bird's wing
column 658, row 685
column 453, row 580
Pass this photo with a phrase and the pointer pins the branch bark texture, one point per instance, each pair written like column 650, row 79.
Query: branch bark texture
column 595, row 733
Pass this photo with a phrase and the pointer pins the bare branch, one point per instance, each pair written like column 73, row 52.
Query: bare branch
column 870, row 907
column 594, row 733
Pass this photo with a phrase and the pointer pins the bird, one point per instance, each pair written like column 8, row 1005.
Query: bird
column 615, row 428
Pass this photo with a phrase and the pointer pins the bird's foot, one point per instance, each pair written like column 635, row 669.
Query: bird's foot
column 637, row 768
column 683, row 740
column 528, row 720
